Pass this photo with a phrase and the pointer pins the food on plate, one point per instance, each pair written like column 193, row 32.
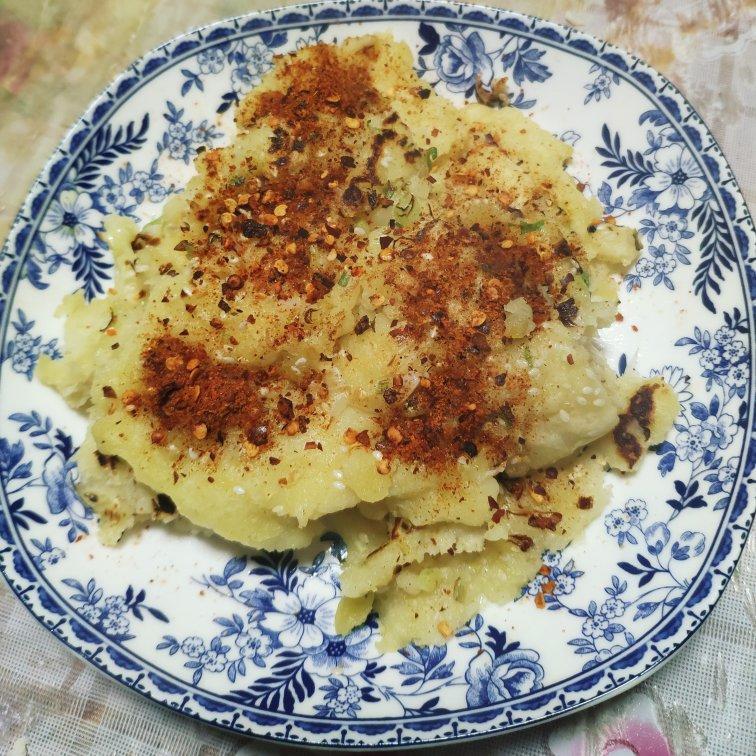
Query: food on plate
column 372, row 313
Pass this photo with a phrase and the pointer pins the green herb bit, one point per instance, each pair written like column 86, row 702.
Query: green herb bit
column 431, row 155
column 586, row 278
column 236, row 181
column 528, row 227
column 405, row 202
column 344, row 279
column 528, row 355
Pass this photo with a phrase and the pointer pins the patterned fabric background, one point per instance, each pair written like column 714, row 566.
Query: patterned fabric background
column 55, row 55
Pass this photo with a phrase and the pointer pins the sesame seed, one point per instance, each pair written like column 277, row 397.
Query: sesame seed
column 292, row 428
column 445, row 629
column 394, row 435
column 128, row 397
column 477, row 318
column 350, row 436
column 173, row 363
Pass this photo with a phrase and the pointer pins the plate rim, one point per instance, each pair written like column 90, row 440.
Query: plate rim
column 422, row 10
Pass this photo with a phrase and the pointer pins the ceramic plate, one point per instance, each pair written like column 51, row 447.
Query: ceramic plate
column 191, row 622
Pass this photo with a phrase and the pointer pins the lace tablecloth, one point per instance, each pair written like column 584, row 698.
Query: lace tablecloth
column 55, row 55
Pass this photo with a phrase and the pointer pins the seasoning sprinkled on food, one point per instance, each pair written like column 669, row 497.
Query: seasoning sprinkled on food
column 371, row 314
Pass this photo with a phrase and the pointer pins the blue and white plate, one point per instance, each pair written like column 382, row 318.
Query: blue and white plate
column 197, row 625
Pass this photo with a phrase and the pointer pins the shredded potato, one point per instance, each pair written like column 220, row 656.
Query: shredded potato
column 372, row 313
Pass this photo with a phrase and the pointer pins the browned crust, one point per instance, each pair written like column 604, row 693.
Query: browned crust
column 640, row 411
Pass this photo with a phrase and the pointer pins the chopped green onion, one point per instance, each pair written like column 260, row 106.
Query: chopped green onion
column 431, row 155
column 528, row 227
column 586, row 278
column 405, row 202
